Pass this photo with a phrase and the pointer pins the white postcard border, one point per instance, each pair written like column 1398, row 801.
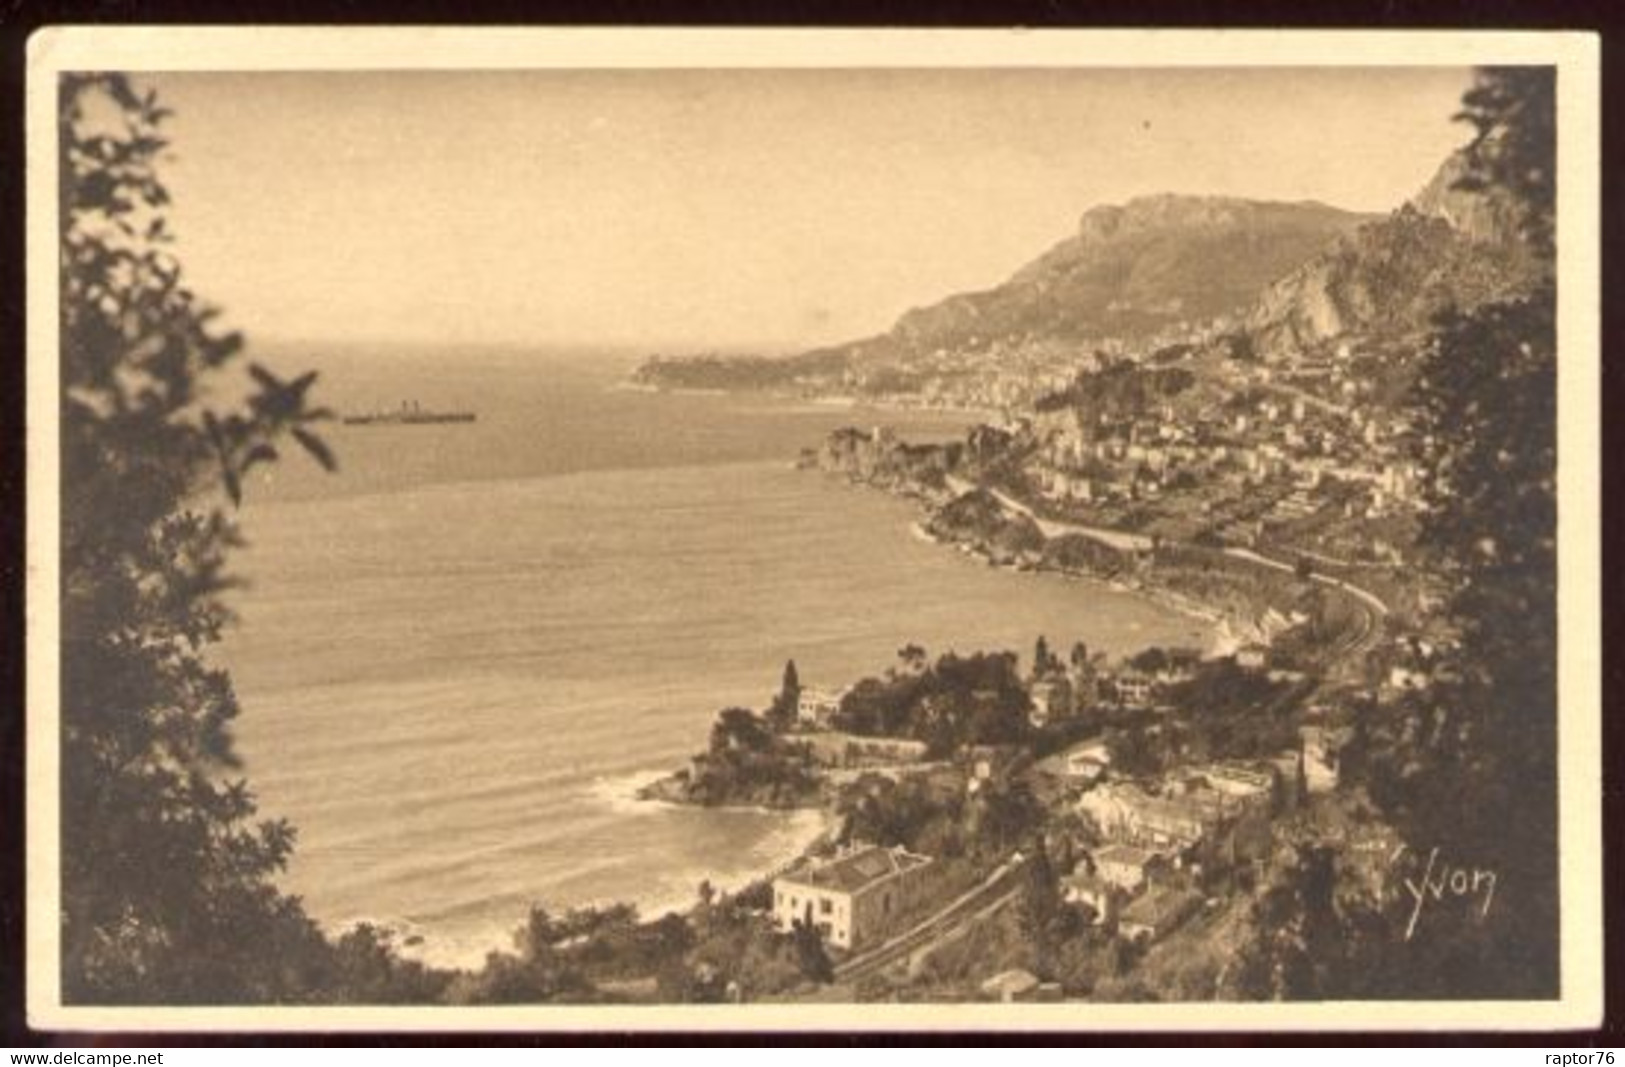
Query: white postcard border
column 1576, row 55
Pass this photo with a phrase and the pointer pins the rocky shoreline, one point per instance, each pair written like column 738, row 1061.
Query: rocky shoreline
column 680, row 787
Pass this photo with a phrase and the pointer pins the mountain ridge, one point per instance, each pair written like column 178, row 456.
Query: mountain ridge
column 1159, row 271
column 1131, row 269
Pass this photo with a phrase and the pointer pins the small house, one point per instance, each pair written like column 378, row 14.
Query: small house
column 1252, row 657
column 1051, row 698
column 1133, row 689
column 816, row 708
column 1322, row 754
column 1252, row 786
column 1092, row 892
column 1087, row 760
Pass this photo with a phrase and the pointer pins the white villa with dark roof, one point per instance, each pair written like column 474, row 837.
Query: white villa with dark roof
column 816, row 707
column 854, row 899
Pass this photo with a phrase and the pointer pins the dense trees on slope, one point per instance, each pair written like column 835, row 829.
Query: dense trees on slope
column 166, row 867
column 978, row 699
column 1476, row 766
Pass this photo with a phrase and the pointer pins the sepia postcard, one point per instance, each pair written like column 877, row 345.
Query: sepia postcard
column 608, row 529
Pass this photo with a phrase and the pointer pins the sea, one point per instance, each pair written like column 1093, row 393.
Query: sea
column 460, row 656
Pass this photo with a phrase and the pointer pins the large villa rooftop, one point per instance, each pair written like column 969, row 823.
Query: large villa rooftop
column 858, row 869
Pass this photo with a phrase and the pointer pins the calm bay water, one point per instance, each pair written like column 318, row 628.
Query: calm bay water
column 459, row 656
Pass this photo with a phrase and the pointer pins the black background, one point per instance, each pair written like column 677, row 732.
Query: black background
column 18, row 18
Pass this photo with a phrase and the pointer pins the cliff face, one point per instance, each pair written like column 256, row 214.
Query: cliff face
column 1484, row 218
column 1131, row 270
column 1447, row 248
column 1393, row 275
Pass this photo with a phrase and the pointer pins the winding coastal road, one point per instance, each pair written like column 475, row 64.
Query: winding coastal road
column 1373, row 607
column 1130, row 542
column 1123, row 542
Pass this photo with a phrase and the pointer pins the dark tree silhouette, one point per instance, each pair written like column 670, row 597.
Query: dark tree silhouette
column 912, row 657
column 782, row 712
column 1300, row 948
column 1044, row 660
column 1513, row 111
column 166, row 890
column 811, row 956
column 1472, row 766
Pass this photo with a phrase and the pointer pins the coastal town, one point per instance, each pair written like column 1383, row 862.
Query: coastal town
column 1173, row 620
column 1143, row 805
column 1138, row 804
column 1222, row 822
column 1078, row 826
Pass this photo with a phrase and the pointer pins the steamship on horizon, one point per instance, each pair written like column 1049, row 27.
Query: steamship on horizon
column 408, row 414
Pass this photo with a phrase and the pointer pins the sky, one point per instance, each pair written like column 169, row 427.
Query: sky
column 774, row 210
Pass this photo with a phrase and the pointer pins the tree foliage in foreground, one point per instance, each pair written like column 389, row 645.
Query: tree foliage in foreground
column 1469, row 766
column 166, row 866
column 1480, row 773
column 168, row 891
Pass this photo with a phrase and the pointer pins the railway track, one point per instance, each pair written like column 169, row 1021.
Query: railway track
column 994, row 891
